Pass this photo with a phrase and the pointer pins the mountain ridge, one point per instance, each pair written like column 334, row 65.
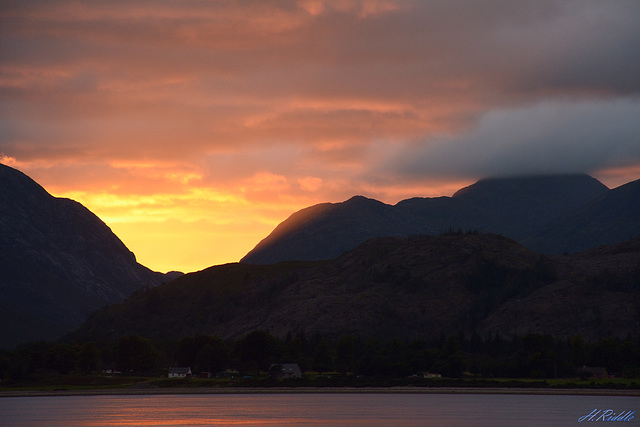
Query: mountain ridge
column 516, row 207
column 59, row 262
column 395, row 287
column 610, row 218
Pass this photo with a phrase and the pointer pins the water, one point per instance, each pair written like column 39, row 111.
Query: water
column 309, row 410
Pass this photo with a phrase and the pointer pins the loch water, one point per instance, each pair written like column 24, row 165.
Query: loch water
column 349, row 409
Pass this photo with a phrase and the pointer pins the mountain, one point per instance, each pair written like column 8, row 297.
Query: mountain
column 610, row 218
column 514, row 207
column 395, row 287
column 58, row 262
column 326, row 230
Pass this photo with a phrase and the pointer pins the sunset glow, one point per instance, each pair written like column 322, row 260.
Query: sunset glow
column 193, row 128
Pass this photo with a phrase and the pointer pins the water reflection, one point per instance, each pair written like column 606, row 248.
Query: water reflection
column 305, row 410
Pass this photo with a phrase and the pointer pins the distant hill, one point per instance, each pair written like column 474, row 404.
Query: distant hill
column 514, row 207
column 325, row 231
column 58, row 263
column 517, row 207
column 408, row 288
column 612, row 217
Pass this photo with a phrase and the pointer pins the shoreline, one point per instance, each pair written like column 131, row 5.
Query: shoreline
column 319, row 390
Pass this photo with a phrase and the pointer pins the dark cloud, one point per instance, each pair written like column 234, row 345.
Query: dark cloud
column 240, row 112
column 550, row 137
column 172, row 81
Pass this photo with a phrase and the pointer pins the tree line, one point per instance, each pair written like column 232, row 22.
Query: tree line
column 527, row 356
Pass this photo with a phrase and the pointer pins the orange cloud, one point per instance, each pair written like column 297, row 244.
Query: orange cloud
column 617, row 176
column 310, row 183
column 167, row 117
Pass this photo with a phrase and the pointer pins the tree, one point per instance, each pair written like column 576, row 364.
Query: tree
column 256, row 350
column 202, row 353
column 606, row 352
column 88, row 356
column 345, row 353
column 450, row 361
column 322, row 361
column 62, row 358
column 136, row 354
column 537, row 356
column 578, row 352
column 292, row 351
column 213, row 356
column 186, row 352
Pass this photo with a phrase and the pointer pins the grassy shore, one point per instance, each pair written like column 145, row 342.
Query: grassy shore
column 124, row 385
column 322, row 390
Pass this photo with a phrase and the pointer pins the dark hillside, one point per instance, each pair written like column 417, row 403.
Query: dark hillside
column 597, row 295
column 197, row 302
column 325, row 231
column 58, row 262
column 409, row 288
column 610, row 218
column 514, row 207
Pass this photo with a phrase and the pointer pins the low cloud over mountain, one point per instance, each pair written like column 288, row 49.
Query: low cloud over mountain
column 551, row 214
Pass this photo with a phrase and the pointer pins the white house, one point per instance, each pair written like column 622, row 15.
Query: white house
column 179, row 372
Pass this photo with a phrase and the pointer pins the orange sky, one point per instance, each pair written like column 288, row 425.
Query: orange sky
column 193, row 128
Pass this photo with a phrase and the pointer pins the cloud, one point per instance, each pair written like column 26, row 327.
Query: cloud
column 300, row 102
column 158, row 71
column 549, row 137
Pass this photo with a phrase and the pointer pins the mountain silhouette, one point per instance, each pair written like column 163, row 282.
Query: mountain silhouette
column 610, row 218
column 395, row 287
column 516, row 207
column 58, row 262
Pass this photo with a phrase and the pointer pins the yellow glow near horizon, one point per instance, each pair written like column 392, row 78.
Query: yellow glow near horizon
column 203, row 227
column 193, row 227
column 185, row 232
column 194, row 128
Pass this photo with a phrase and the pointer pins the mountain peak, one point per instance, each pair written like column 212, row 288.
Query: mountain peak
column 361, row 199
column 19, row 188
column 59, row 262
column 516, row 207
column 527, row 182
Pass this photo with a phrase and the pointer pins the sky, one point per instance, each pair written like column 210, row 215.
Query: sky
column 192, row 128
